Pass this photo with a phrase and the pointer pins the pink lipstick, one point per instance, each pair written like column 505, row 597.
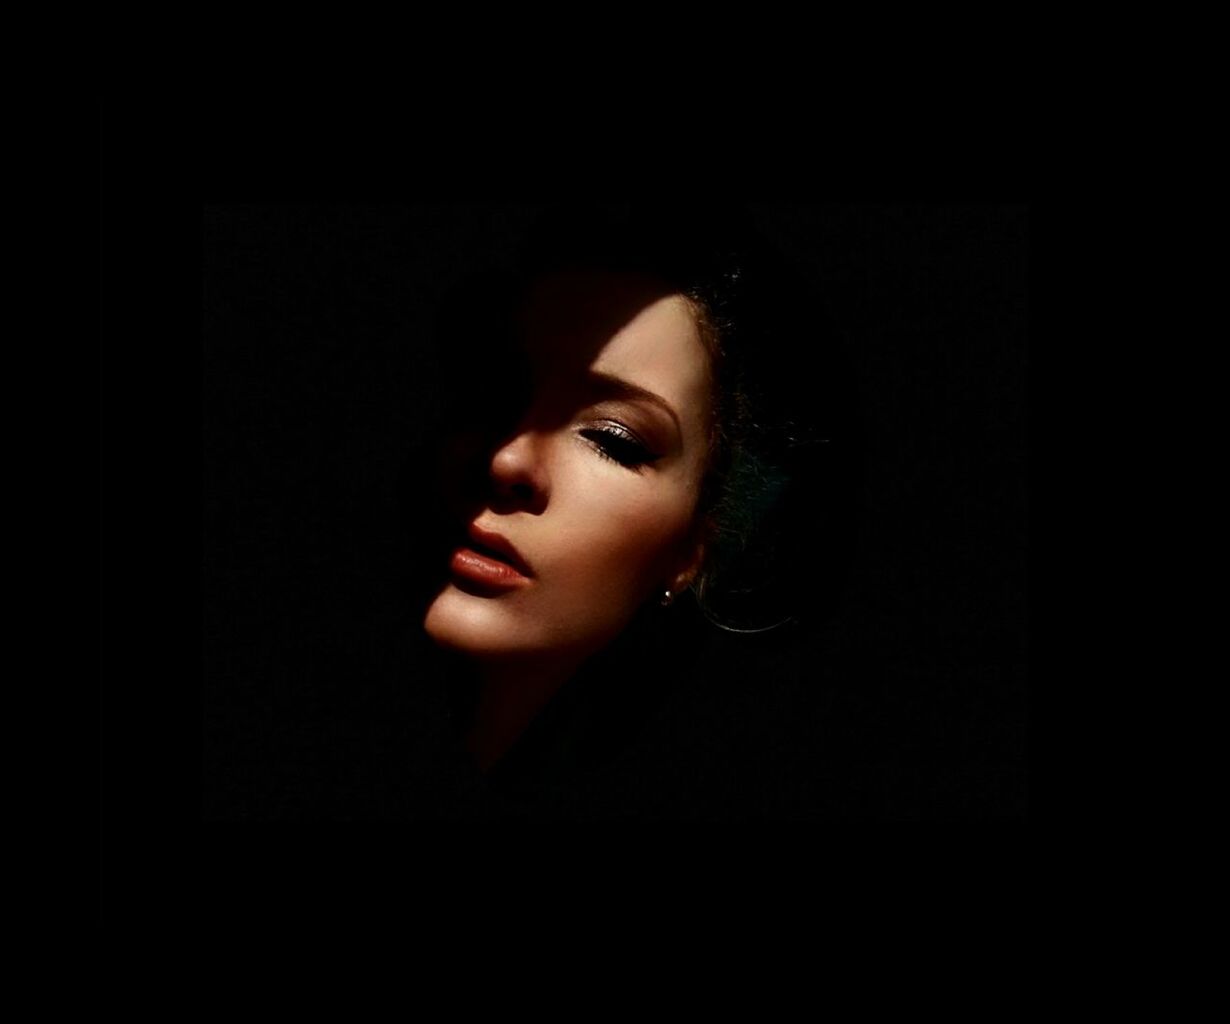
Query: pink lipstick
column 484, row 569
column 491, row 560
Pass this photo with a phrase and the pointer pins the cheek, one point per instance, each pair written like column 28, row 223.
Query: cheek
column 624, row 538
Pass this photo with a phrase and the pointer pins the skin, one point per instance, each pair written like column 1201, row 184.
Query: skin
column 602, row 531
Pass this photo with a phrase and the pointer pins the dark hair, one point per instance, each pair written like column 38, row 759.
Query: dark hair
column 777, row 505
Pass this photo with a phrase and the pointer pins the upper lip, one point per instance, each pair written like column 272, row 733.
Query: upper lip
column 499, row 546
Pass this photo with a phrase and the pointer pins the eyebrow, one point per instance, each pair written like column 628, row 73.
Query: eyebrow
column 607, row 385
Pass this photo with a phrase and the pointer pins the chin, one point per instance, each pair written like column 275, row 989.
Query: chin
column 496, row 629
column 471, row 625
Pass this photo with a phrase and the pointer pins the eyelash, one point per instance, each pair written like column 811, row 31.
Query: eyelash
column 620, row 446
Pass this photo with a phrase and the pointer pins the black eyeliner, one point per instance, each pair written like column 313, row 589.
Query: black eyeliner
column 620, row 446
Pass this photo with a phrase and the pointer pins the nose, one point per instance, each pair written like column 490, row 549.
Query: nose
column 518, row 473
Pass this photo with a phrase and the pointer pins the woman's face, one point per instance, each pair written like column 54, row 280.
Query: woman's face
column 596, row 487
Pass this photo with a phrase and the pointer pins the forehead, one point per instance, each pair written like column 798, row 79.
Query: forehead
column 623, row 325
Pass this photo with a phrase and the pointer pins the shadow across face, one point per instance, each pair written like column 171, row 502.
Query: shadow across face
column 537, row 356
column 783, row 496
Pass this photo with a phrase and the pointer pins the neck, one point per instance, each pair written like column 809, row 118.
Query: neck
column 510, row 697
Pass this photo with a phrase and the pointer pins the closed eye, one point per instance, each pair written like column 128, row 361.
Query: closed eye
column 618, row 445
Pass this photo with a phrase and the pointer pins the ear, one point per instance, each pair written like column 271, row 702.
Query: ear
column 686, row 572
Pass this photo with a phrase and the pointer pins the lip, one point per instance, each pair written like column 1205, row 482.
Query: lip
column 498, row 550
column 484, row 575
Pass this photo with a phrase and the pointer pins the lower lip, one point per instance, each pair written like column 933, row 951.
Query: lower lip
column 471, row 565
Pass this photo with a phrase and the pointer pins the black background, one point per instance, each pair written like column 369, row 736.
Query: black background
column 319, row 379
